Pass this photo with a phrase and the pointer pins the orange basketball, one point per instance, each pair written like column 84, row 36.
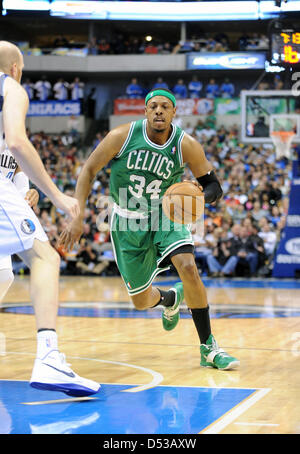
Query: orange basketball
column 183, row 202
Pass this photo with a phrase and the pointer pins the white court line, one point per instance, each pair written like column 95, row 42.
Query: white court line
column 255, row 424
column 156, row 376
column 59, row 401
column 224, row 421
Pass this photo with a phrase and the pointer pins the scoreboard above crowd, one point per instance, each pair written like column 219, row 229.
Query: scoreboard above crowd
column 285, row 47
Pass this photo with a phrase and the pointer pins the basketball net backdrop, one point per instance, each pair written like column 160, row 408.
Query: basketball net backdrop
column 282, row 141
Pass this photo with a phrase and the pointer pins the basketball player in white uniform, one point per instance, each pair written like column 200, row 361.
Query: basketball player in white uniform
column 22, row 234
column 10, row 169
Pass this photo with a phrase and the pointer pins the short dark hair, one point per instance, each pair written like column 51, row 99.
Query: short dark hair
column 164, row 89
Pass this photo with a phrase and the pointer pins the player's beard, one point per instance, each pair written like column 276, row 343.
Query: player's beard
column 159, row 131
column 164, row 127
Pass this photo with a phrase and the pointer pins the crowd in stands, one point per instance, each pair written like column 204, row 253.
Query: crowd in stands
column 197, row 88
column 192, row 89
column 203, row 43
column 120, row 44
column 61, row 90
column 241, row 232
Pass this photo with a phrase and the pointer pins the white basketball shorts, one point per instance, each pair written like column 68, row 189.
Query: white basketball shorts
column 19, row 226
column 6, row 263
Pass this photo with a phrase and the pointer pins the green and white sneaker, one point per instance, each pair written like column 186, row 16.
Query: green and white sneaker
column 213, row 356
column 170, row 315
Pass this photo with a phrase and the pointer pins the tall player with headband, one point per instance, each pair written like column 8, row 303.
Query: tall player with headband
column 147, row 157
column 22, row 234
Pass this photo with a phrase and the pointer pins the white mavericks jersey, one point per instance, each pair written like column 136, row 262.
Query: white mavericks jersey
column 2, row 139
column 19, row 225
column 8, row 164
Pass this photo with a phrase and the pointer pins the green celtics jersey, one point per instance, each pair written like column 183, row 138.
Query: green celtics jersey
column 142, row 171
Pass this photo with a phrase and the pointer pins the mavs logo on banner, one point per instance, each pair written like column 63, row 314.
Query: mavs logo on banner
column 287, row 260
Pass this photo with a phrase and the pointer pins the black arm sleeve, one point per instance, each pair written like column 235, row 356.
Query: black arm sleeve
column 211, row 186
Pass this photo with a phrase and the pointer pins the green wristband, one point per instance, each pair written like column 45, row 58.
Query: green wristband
column 160, row 92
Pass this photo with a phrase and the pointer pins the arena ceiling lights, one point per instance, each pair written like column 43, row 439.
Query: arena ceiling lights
column 158, row 11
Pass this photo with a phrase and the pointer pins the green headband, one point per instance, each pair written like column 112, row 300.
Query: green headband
column 160, row 92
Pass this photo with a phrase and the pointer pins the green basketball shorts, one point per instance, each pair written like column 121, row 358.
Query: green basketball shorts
column 141, row 245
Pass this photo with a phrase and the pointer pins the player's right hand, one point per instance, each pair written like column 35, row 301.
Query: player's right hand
column 69, row 205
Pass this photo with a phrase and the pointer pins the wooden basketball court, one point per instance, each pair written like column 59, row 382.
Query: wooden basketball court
column 130, row 354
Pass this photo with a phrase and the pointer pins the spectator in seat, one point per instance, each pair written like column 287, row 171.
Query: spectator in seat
column 61, row 90
column 180, row 90
column 43, row 89
column 151, row 48
column 103, row 47
column 243, row 251
column 134, row 90
column 160, row 83
column 227, row 89
column 212, row 89
column 202, row 248
column 185, row 46
column 208, row 131
column 195, row 87
column 258, row 245
column 92, row 46
column 220, row 263
column 269, row 238
column 77, row 88
column 274, row 193
column 134, row 46
column 165, row 48
column 87, row 261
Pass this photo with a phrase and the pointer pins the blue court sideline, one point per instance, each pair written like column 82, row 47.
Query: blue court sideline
column 159, row 410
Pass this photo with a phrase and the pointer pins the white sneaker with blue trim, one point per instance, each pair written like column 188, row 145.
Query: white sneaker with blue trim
column 52, row 373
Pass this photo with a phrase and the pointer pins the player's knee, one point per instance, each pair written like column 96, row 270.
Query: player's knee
column 185, row 264
column 52, row 256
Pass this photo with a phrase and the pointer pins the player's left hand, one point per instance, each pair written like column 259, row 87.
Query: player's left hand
column 195, row 183
column 71, row 234
column 32, row 197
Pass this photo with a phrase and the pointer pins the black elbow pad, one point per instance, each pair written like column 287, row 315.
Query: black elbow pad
column 211, row 187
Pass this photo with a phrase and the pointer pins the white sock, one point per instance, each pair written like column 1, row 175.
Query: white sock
column 46, row 342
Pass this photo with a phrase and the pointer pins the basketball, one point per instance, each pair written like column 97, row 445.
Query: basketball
column 183, row 202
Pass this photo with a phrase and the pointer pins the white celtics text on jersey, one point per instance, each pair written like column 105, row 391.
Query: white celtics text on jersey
column 150, row 161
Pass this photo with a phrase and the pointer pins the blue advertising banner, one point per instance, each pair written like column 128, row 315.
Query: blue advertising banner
column 287, row 259
column 54, row 108
column 226, row 60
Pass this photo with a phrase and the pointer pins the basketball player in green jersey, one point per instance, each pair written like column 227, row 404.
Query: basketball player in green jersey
column 148, row 156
